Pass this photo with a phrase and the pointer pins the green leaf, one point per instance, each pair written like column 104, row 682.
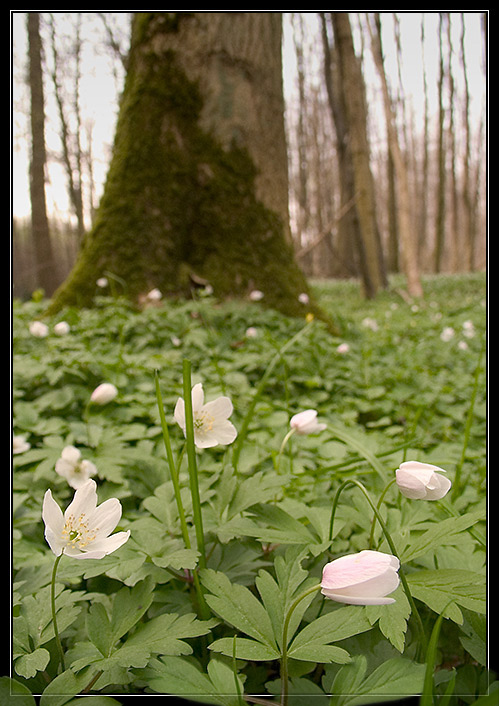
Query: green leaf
column 10, row 688
column 129, row 606
column 337, row 625
column 317, row 652
column 443, row 532
column 245, row 649
column 392, row 619
column 394, row 679
column 165, row 633
column 99, row 628
column 178, row 676
column 29, row 664
column 437, row 587
column 237, row 606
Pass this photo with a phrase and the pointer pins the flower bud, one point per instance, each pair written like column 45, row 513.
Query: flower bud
column 421, row 481
column 365, row 578
column 104, row 393
column 306, row 422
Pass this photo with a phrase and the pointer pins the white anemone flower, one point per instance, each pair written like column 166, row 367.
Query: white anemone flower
column 104, row 393
column 73, row 468
column 256, row 295
column 38, row 329
column 19, row 444
column 211, row 420
column 306, row 422
column 83, row 531
column 421, row 481
column 62, row 328
column 365, row 578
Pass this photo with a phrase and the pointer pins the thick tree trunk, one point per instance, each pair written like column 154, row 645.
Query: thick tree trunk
column 39, row 221
column 197, row 185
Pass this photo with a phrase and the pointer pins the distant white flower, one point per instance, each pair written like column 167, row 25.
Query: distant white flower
column 370, row 323
column 303, row 298
column 208, row 290
column 104, row 393
column 256, row 295
column 176, row 341
column 251, row 332
column 19, row 444
column 73, row 468
column 468, row 329
column 447, row 333
column 83, row 531
column 38, row 329
column 154, row 295
column 462, row 345
column 102, row 282
column 211, row 420
column 343, row 348
column 62, row 328
column 306, row 422
column 421, row 481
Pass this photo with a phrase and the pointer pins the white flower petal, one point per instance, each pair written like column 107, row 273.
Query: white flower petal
column 105, row 518
column 197, row 397
column 221, row 408
column 84, row 500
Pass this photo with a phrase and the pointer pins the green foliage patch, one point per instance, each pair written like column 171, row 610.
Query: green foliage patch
column 147, row 618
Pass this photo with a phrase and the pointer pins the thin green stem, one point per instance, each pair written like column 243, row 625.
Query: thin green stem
column 261, row 385
column 192, row 463
column 456, row 488
column 54, row 617
column 283, row 445
column 393, row 550
column 284, row 649
column 171, row 464
column 380, row 502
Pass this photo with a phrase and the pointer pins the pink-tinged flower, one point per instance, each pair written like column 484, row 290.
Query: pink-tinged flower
column 365, row 578
column 104, row 393
column 421, row 481
column 211, row 420
column 73, row 468
column 154, row 295
column 102, row 282
column 306, row 422
column 256, row 295
column 83, row 531
column 38, row 329
column 343, row 348
column 62, row 328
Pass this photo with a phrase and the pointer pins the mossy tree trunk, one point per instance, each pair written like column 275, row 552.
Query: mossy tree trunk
column 197, row 184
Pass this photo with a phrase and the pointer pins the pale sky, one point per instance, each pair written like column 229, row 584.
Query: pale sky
column 98, row 90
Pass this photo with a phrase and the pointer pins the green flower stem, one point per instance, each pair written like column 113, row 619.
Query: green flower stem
column 456, row 488
column 192, row 463
column 86, row 417
column 393, row 550
column 380, row 502
column 259, row 391
column 174, row 474
column 284, row 649
column 171, row 464
column 281, row 450
column 54, row 618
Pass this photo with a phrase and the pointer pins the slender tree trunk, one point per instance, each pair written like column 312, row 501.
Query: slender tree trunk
column 350, row 247
column 39, row 222
column 441, row 149
column 353, row 90
column 466, row 195
column 404, row 220
column 198, row 184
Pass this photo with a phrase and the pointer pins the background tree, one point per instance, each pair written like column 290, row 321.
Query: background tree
column 197, row 186
column 353, row 92
column 39, row 221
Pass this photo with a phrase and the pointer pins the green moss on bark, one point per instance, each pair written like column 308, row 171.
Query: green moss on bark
column 175, row 200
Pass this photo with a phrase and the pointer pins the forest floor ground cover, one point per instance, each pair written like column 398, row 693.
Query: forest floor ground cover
column 405, row 380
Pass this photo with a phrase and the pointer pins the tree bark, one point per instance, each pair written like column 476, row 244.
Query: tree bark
column 197, row 185
column 39, row 222
column 353, row 90
column 404, row 220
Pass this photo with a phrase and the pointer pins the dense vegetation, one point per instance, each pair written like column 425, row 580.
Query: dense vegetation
column 409, row 385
